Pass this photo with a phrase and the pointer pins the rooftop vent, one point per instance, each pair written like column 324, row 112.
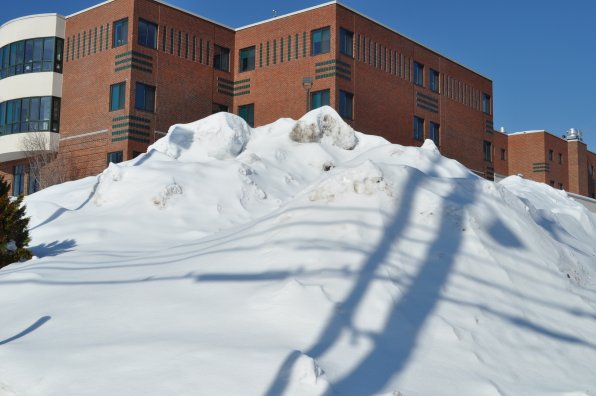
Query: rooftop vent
column 574, row 134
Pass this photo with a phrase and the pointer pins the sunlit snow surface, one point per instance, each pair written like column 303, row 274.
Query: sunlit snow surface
column 300, row 258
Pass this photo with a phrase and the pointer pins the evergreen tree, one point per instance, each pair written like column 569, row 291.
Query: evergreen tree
column 14, row 235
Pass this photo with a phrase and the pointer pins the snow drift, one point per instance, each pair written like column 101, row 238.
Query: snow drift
column 300, row 258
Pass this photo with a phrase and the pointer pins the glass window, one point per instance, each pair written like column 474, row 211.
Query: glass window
column 247, row 112
column 418, row 74
column 120, row 33
column 117, row 96
column 147, row 34
column 433, row 81
column 346, row 101
column 217, row 108
column 487, row 150
column 33, row 185
column 319, row 99
column 320, row 41
column 486, row 103
column 221, row 58
column 550, row 155
column 115, row 157
column 418, row 128
column 145, row 97
column 18, row 181
column 560, row 158
column 434, row 133
column 503, row 154
column 247, row 59
column 346, row 42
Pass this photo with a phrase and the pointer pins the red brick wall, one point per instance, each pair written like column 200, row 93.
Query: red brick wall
column 525, row 150
column 578, row 167
column 501, row 142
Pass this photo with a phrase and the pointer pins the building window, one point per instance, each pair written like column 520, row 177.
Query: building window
column 247, row 58
column 486, row 103
column 320, row 41
column 117, row 96
column 18, row 181
column 145, row 97
column 487, row 151
column 419, row 74
column 550, row 155
column 346, row 42
column 418, row 128
column 32, row 56
column 218, row 108
column 560, row 186
column 552, row 183
column 434, row 133
column 560, row 158
column 30, row 115
column 433, row 82
column 247, row 112
column 147, row 34
column 319, row 99
column 503, row 154
column 32, row 183
column 346, row 104
column 120, row 32
column 221, row 58
column 114, row 157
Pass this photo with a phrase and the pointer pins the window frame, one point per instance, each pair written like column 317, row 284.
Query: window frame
column 434, row 77
column 250, row 119
column 487, row 151
column 18, row 180
column 322, row 45
column 418, row 75
column 147, row 24
column 249, row 66
column 324, row 95
column 346, row 42
column 146, row 88
column 432, row 127
column 346, row 112
column 220, row 54
column 418, row 128
column 486, row 103
column 121, row 86
column 116, row 32
column 119, row 157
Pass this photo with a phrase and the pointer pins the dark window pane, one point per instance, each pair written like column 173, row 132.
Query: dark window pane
column 346, row 100
column 319, row 99
column 147, row 34
column 221, row 58
column 320, row 41
column 115, row 157
column 120, row 33
column 247, row 59
column 45, row 109
column 346, row 42
column 247, row 112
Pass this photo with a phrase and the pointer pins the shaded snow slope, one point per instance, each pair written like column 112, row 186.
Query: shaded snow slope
column 300, row 258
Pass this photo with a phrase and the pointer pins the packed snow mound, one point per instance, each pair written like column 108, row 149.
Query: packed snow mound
column 237, row 261
column 324, row 124
column 220, row 136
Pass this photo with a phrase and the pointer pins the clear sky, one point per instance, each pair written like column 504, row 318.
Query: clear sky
column 540, row 55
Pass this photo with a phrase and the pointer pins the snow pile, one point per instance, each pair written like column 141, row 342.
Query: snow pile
column 300, row 258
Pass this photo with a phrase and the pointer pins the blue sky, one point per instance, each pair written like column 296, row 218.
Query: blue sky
column 540, row 55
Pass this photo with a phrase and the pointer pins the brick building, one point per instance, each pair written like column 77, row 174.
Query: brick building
column 121, row 72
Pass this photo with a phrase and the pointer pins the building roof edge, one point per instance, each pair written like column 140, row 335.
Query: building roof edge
column 32, row 16
column 287, row 15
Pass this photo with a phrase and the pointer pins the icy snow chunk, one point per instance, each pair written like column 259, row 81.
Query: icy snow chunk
column 324, row 125
column 220, row 136
column 166, row 194
column 430, row 146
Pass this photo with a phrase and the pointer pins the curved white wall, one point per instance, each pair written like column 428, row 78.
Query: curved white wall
column 31, row 84
column 11, row 146
column 32, row 26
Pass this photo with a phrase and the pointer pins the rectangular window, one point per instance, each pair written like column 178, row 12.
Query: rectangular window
column 261, row 55
column 346, row 42
column 247, row 58
column 296, row 47
column 503, row 154
column 194, row 48
column 18, row 181
column 267, row 54
column 486, row 103
column 418, row 128
column 33, row 185
column 200, row 50
column 172, row 41
column 274, row 52
column 319, row 99
column 120, row 32
column 217, row 108
column 487, row 150
column 303, row 44
column 247, row 112
column 145, row 97
column 419, row 74
column 221, row 58
column 433, row 80
column 560, row 186
column 560, row 158
column 289, row 48
column 163, row 38
column 147, row 34
column 114, row 157
column 434, row 133
column 100, row 38
column 320, row 41
column 346, row 104
column 550, row 155
column 552, row 183
column 186, row 46
column 180, row 44
column 117, row 96
column 281, row 50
